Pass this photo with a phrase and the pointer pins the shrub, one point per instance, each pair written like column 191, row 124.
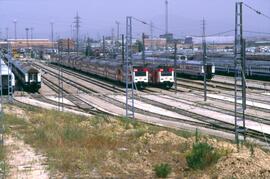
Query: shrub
column 197, row 136
column 162, row 170
column 73, row 133
column 202, row 156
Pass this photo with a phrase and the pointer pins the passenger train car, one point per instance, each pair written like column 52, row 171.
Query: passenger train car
column 112, row 70
column 160, row 75
column 191, row 68
column 195, row 69
column 254, row 69
column 6, row 73
column 28, row 76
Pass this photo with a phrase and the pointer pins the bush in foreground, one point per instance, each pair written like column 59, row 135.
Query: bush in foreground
column 201, row 156
column 162, row 170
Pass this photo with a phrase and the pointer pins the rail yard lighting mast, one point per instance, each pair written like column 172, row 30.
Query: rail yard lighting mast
column 52, row 35
column 143, row 48
column 77, row 23
column 15, row 33
column 27, row 36
column 166, row 22
column 240, row 85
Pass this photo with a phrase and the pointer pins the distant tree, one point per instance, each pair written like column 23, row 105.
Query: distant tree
column 88, row 50
column 139, row 46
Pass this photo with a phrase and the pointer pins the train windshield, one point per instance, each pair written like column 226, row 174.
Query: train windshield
column 140, row 73
column 166, row 73
column 32, row 77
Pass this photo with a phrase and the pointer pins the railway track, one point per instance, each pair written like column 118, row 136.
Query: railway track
column 198, row 86
column 205, row 121
column 200, row 95
column 225, row 84
column 81, row 104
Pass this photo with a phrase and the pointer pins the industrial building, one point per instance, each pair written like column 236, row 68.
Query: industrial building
column 28, row 43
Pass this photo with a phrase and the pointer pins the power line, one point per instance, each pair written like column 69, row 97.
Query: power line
column 255, row 32
column 215, row 34
column 148, row 24
column 256, row 11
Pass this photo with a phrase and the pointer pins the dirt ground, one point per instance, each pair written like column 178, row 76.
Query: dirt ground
column 23, row 161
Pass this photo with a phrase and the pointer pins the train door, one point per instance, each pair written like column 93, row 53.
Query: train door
column 209, row 71
column 119, row 75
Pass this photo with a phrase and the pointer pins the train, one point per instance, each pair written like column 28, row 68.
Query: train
column 28, row 77
column 7, row 75
column 195, row 69
column 111, row 70
column 254, row 69
column 161, row 75
column 184, row 68
column 115, row 70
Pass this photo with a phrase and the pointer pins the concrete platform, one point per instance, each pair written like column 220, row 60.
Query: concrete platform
column 216, row 115
column 56, row 99
column 41, row 104
column 248, row 102
column 155, row 109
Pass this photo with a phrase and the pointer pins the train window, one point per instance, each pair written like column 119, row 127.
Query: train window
column 140, row 73
column 32, row 77
column 166, row 73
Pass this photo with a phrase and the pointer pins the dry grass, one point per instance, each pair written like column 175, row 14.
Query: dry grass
column 102, row 146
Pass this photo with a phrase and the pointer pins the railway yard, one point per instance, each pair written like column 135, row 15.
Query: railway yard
column 179, row 108
column 120, row 93
column 183, row 108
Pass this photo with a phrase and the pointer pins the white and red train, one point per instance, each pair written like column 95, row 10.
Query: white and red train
column 162, row 76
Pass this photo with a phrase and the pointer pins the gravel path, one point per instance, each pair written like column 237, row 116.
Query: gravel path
column 23, row 161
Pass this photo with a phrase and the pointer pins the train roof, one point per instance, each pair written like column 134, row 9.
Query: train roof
column 24, row 67
column 167, row 61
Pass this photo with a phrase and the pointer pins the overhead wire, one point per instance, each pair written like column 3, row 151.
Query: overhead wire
column 146, row 23
column 255, row 32
column 256, row 11
column 214, row 34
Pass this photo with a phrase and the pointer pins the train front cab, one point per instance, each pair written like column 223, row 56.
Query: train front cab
column 210, row 71
column 141, row 75
column 164, row 76
column 33, row 80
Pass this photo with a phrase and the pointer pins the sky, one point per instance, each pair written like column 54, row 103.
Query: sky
column 98, row 16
